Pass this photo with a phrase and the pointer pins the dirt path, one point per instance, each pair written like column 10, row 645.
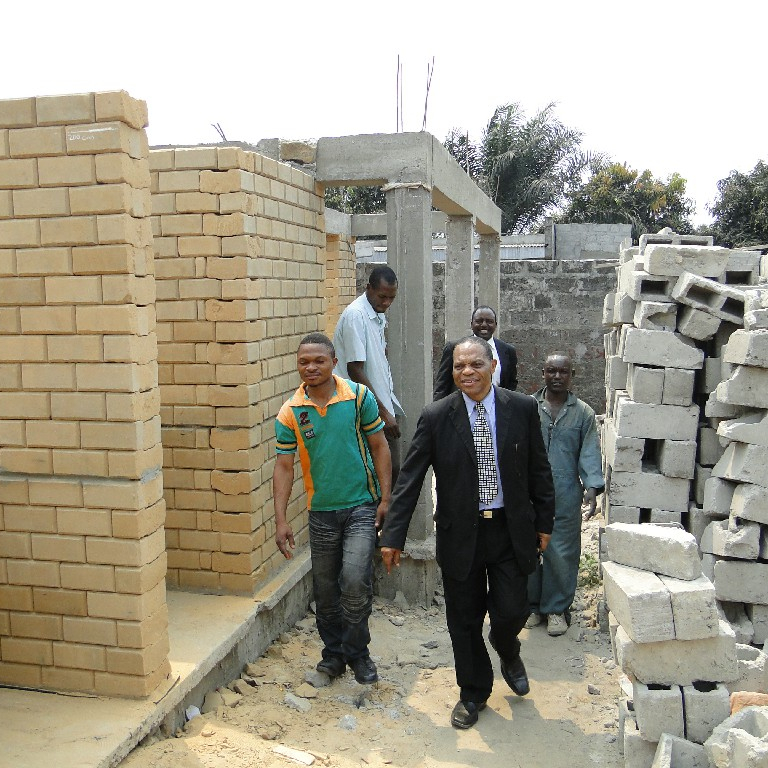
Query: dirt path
column 569, row 720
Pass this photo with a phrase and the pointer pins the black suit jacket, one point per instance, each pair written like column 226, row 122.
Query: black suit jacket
column 444, row 379
column 443, row 439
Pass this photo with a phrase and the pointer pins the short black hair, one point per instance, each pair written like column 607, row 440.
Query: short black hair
column 319, row 338
column 484, row 306
column 478, row 342
column 382, row 274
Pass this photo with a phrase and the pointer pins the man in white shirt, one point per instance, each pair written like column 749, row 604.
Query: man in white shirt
column 361, row 350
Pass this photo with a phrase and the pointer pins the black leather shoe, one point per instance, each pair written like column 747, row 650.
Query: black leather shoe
column 513, row 672
column 515, row 675
column 465, row 713
column 364, row 669
column 333, row 666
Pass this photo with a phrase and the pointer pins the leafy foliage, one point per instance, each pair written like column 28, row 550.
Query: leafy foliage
column 741, row 208
column 617, row 194
column 524, row 165
column 356, row 199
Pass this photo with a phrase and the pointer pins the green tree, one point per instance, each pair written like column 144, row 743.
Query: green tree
column 741, row 209
column 525, row 165
column 617, row 194
column 356, row 199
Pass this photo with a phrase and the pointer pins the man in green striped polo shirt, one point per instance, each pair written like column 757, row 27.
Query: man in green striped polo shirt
column 334, row 426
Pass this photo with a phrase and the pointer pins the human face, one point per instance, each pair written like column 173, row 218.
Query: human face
column 557, row 373
column 484, row 324
column 472, row 370
column 315, row 364
column 381, row 296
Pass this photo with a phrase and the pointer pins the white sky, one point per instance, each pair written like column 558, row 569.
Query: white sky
column 669, row 86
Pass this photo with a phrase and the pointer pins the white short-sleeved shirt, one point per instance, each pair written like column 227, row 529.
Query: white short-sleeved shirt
column 359, row 337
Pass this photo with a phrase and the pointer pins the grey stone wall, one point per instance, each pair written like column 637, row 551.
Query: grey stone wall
column 546, row 306
column 589, row 241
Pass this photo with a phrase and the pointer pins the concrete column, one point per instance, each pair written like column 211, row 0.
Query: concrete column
column 459, row 276
column 409, row 253
column 490, row 272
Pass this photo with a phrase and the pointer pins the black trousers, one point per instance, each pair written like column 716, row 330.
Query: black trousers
column 496, row 586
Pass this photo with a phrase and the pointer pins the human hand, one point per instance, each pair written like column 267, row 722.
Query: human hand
column 391, row 428
column 590, row 498
column 543, row 541
column 284, row 540
column 381, row 514
column 390, row 556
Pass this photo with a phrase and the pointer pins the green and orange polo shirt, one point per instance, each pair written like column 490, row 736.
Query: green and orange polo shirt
column 332, row 444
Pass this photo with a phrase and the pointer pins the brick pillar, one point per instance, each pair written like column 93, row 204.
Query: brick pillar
column 240, row 267
column 82, row 579
column 339, row 286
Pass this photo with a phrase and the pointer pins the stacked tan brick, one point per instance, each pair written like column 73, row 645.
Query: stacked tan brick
column 82, row 561
column 340, row 288
column 239, row 248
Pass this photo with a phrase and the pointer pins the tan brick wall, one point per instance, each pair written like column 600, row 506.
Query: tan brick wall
column 82, row 574
column 340, row 289
column 240, row 264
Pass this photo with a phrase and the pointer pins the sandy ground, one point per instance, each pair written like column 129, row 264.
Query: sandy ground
column 569, row 719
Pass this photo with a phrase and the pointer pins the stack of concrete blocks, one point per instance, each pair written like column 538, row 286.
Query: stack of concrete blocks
column 82, row 546
column 240, row 251
column 668, row 639
column 340, row 278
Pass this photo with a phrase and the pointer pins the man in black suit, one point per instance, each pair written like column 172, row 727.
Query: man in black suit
column 483, row 324
column 494, row 515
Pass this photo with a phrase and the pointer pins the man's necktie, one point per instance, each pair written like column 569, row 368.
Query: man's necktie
column 486, row 462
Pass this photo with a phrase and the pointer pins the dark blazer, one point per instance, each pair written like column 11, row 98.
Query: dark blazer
column 444, row 379
column 443, row 439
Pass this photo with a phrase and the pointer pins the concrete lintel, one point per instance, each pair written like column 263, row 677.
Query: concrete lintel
column 406, row 158
column 338, row 223
column 375, row 224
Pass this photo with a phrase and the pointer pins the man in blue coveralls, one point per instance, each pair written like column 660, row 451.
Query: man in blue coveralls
column 570, row 436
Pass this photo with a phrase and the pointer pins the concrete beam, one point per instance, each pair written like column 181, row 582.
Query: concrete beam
column 406, row 158
column 375, row 224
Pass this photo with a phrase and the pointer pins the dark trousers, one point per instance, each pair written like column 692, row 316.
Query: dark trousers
column 394, row 450
column 495, row 586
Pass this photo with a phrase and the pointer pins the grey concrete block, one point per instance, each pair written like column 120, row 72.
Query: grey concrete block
column 743, row 268
column 747, row 348
column 655, row 315
column 706, row 706
column 741, row 581
column 700, row 476
column 709, row 448
column 744, row 463
column 750, row 502
column 657, row 422
column 677, row 458
column 615, row 372
column 756, row 308
column 747, row 386
column 645, row 385
column 753, row 670
column 658, row 709
column 674, row 752
column 710, row 375
column 618, row 514
column 708, row 566
column 699, row 519
column 697, row 324
column 680, row 662
column 663, row 550
column 666, row 516
column 718, row 494
column 708, row 261
column 623, row 454
column 667, row 236
column 623, row 308
column 640, row 603
column 741, row 741
column 750, row 428
column 608, row 304
column 659, row 348
column 736, row 616
column 720, row 300
column 719, row 409
column 732, row 538
column 758, row 615
column 638, row 753
column 678, row 386
column 649, row 490
column 694, row 607
column 642, row 286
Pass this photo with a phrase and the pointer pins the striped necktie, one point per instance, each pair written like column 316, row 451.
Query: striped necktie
column 486, row 461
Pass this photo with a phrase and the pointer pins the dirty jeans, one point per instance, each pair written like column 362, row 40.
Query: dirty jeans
column 342, row 544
